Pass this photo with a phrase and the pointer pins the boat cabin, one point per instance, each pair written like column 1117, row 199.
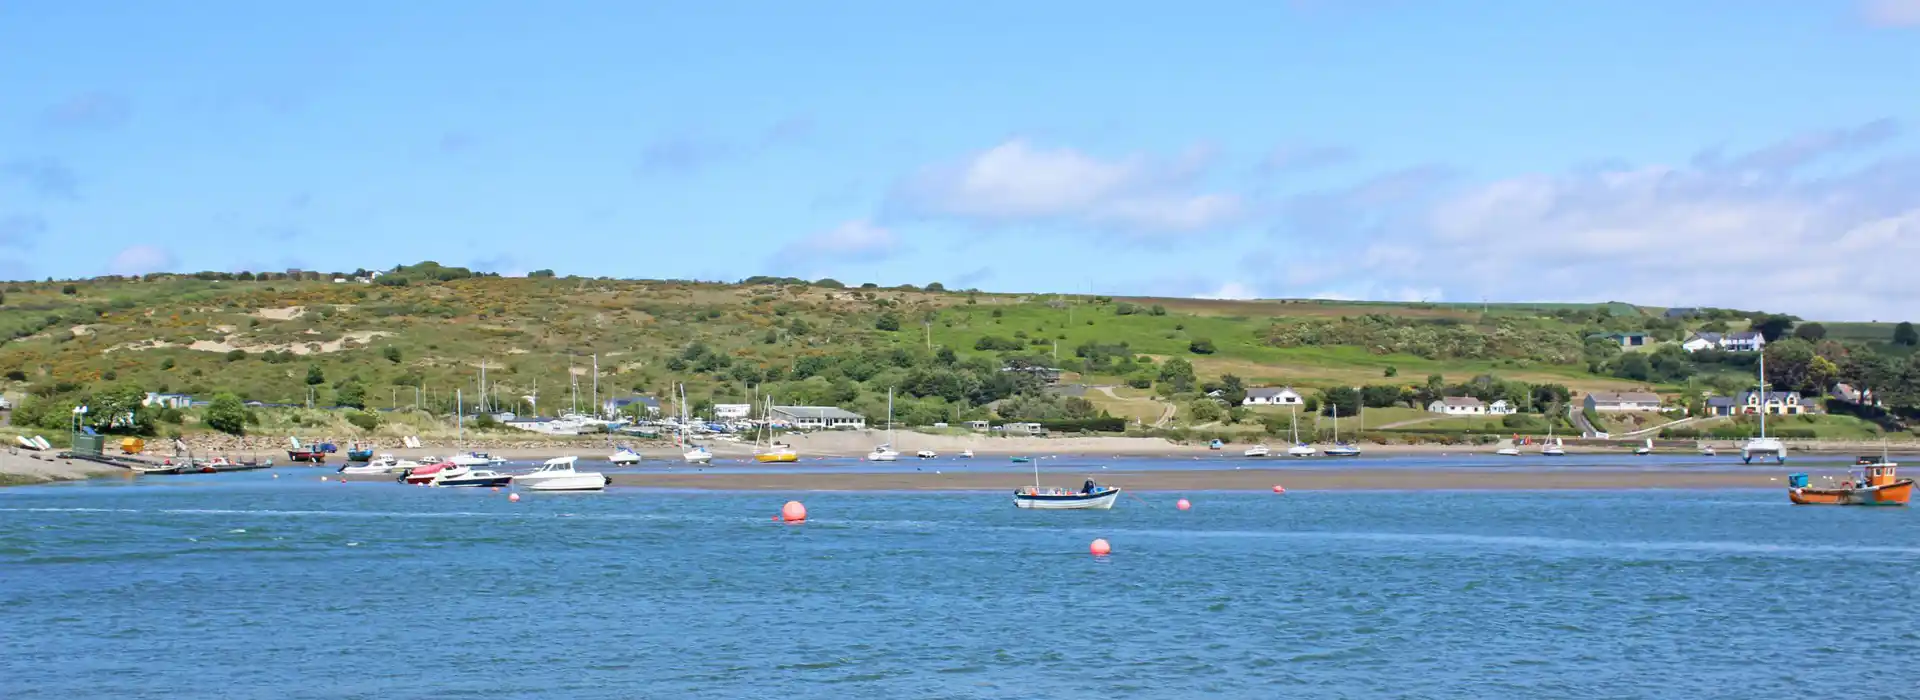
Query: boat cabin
column 1876, row 471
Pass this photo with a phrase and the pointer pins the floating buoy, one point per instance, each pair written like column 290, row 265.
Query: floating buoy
column 1100, row 548
column 496, row 489
column 513, row 498
column 1278, row 489
column 276, row 476
column 1182, row 504
column 793, row 512
column 323, row 478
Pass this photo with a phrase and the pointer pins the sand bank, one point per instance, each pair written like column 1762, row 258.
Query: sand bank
column 23, row 467
column 1217, row 480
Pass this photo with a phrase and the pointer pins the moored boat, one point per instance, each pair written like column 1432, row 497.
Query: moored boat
column 1644, row 449
column 1341, row 449
column 1256, row 451
column 926, row 454
column 476, row 477
column 697, row 455
column 966, row 454
column 558, row 474
column 1216, row 444
column 1761, row 445
column 427, row 473
column 384, row 464
column 359, row 454
column 1877, row 484
column 1020, row 460
column 624, row 456
column 1553, row 448
column 306, row 456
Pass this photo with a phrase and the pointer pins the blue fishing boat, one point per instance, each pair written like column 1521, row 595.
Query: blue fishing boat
column 1022, row 460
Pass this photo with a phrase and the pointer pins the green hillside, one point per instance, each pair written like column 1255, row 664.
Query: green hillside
column 418, row 334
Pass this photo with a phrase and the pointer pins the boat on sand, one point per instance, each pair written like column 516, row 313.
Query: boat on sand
column 1876, row 484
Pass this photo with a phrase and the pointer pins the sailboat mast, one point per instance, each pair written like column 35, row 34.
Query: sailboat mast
column 1763, row 393
column 596, row 387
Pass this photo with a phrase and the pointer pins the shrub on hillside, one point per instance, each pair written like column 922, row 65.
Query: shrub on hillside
column 364, row 420
column 226, row 414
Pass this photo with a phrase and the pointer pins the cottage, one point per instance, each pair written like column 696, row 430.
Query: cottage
column 1703, row 341
column 1722, row 406
column 648, row 405
column 1622, row 401
column 1743, row 341
column 1779, row 403
column 732, row 411
column 1458, row 406
column 1846, row 392
column 545, row 426
column 818, row 418
column 1500, row 408
column 1272, row 396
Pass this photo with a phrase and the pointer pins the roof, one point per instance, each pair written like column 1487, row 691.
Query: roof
column 1772, row 396
column 1746, row 335
column 1270, row 391
column 1624, row 397
column 1461, row 401
column 817, row 412
column 1707, row 336
column 1726, row 401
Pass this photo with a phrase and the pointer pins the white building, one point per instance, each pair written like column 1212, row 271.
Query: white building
column 1458, row 406
column 732, row 411
column 1272, row 396
column 1500, row 408
column 167, row 400
column 1622, row 401
column 818, row 418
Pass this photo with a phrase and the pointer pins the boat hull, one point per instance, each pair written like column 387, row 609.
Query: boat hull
column 1069, row 501
column 475, row 481
column 697, row 457
column 883, row 457
column 1340, row 452
column 576, row 482
column 777, row 457
column 307, row 457
column 1895, row 494
column 359, row 455
column 625, row 461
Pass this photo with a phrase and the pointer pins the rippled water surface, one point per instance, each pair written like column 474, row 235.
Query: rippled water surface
column 246, row 586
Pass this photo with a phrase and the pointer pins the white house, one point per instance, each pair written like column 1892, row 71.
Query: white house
column 614, row 407
column 818, row 418
column 1272, row 396
column 1703, row 341
column 1743, row 341
column 732, row 411
column 1622, row 401
column 1776, row 403
column 167, row 400
column 1458, row 406
column 1500, row 408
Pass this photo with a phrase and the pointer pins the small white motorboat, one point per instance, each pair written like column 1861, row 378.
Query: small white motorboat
column 473, row 459
column 383, row 464
column 558, row 474
column 1301, row 450
column 624, row 456
column 1256, row 451
column 1091, row 496
column 1554, row 449
column 1706, row 451
column 926, row 454
column 1341, row 449
column 883, row 453
column 1508, row 451
column 966, row 454
column 697, row 455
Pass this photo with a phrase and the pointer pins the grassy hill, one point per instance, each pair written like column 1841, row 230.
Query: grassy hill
column 423, row 332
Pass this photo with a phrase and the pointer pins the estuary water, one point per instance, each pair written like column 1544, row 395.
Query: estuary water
column 249, row 586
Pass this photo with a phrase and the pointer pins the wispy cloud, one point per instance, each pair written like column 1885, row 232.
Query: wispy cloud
column 46, row 176
column 1891, row 13
column 91, row 111
column 141, row 259
column 853, row 241
column 1016, row 182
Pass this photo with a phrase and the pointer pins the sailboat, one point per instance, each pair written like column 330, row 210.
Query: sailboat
column 1091, row 496
column 693, row 454
column 1509, row 447
column 1553, row 447
column 775, row 451
column 625, row 456
column 1298, row 448
column 1644, row 449
column 1339, row 449
column 1763, row 445
column 885, row 452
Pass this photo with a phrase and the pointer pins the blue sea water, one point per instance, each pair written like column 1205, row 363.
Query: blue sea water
column 246, row 586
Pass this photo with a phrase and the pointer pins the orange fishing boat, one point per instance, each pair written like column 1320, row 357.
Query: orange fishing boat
column 1877, row 485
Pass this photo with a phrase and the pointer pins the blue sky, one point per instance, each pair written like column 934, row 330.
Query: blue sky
column 1755, row 153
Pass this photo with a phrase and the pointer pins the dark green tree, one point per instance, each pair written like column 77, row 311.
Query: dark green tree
column 315, row 377
column 1811, row 332
column 1904, row 334
column 226, row 414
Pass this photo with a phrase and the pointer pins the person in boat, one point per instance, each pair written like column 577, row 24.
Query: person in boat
column 1089, row 487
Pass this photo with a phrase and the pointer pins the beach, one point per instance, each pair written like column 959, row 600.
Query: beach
column 20, row 467
column 1524, row 478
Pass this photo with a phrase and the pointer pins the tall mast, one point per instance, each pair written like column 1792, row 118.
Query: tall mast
column 1763, row 392
column 596, row 387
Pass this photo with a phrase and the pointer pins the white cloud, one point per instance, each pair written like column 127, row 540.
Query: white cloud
column 1838, row 245
column 1016, row 182
column 1892, row 13
column 1232, row 290
column 859, row 240
column 140, row 260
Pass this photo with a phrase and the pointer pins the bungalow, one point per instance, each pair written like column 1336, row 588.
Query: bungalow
column 1846, row 392
column 1500, row 408
column 1743, row 341
column 1458, row 406
column 1626, row 340
column 818, row 418
column 544, row 426
column 167, row 400
column 1622, row 401
column 732, row 411
column 1779, row 403
column 1272, row 396
column 614, row 407
column 1722, row 406
column 1703, row 341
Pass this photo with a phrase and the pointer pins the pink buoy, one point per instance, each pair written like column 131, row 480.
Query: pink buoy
column 1277, row 489
column 1182, row 504
column 1100, row 548
column 793, row 512
column 513, row 498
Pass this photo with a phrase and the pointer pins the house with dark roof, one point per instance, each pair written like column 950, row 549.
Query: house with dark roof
column 1743, row 341
column 1722, row 405
column 1625, row 340
column 615, row 407
column 1704, row 340
column 1778, row 403
column 817, row 417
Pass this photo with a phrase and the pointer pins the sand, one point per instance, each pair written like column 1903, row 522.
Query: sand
column 19, row 467
column 1214, row 480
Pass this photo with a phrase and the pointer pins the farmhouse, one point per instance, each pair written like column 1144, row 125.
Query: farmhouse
column 1622, row 401
column 1272, row 396
column 1458, row 406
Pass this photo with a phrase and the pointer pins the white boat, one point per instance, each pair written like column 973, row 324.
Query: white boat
column 697, row 455
column 1508, row 451
column 774, row 451
column 1256, row 451
column 558, row 474
column 383, row 464
column 885, row 452
column 690, row 453
column 472, row 459
column 1298, row 448
column 1763, row 446
column 966, row 454
column 624, row 456
column 1339, row 449
column 926, row 454
column 1091, row 496
column 1554, row 449
column 1707, row 451
column 1645, row 449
